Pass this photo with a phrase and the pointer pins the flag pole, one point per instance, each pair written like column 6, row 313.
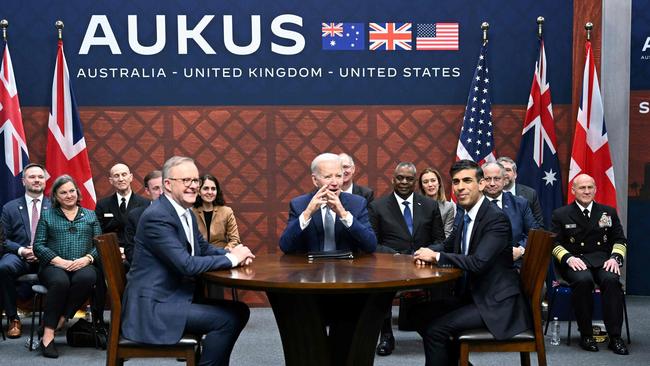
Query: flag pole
column 4, row 24
column 485, row 26
column 540, row 25
column 59, row 26
column 589, row 26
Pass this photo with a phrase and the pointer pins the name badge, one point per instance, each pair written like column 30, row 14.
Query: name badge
column 108, row 214
column 570, row 226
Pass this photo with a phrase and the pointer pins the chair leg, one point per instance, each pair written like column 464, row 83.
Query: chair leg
column 524, row 358
column 464, row 354
column 568, row 335
column 549, row 311
column 34, row 310
column 190, row 355
column 627, row 323
column 234, row 294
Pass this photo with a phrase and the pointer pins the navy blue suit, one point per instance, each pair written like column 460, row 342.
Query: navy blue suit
column 16, row 225
column 521, row 218
column 157, row 301
column 359, row 236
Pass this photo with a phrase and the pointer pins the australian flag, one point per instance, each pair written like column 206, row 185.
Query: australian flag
column 343, row 36
column 537, row 161
column 12, row 134
column 476, row 141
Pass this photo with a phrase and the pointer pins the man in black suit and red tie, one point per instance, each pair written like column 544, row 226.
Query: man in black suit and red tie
column 488, row 295
column 403, row 221
column 590, row 247
column 348, row 179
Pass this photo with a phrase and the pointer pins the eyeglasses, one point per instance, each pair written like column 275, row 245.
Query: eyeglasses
column 187, row 182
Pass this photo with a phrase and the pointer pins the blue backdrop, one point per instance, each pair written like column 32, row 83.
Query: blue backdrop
column 513, row 47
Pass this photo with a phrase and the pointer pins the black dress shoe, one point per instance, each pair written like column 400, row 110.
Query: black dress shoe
column 49, row 351
column 588, row 344
column 618, row 346
column 386, row 345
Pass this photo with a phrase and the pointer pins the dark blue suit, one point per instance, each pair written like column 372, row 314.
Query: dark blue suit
column 16, row 225
column 359, row 236
column 521, row 218
column 157, row 301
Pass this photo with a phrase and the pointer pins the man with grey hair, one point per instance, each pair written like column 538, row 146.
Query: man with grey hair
column 516, row 208
column 348, row 175
column 169, row 254
column 404, row 221
column 327, row 219
column 519, row 189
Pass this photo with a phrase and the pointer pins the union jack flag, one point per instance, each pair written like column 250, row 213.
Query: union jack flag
column 13, row 141
column 476, row 142
column 590, row 152
column 66, row 145
column 537, row 161
column 332, row 29
column 390, row 36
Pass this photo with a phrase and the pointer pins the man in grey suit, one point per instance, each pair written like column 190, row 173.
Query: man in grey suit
column 348, row 175
column 521, row 190
column 170, row 253
column 19, row 220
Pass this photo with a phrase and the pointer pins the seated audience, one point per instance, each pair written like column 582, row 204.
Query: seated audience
column 66, row 252
column 216, row 221
column 431, row 185
column 19, row 220
column 169, row 255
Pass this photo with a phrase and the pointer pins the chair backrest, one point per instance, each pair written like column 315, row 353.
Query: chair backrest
column 534, row 269
column 111, row 260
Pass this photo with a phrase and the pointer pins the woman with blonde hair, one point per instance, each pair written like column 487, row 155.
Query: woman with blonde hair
column 431, row 185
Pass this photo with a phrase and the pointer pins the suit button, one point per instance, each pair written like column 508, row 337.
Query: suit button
column 598, row 243
column 582, row 244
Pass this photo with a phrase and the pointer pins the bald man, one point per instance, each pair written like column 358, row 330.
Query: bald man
column 590, row 247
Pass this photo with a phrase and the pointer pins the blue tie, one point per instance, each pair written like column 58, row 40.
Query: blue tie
column 329, row 244
column 464, row 242
column 408, row 217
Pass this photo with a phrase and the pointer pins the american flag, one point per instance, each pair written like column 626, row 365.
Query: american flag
column 476, row 141
column 343, row 36
column 537, row 161
column 590, row 153
column 437, row 37
column 12, row 134
column 390, row 36
column 66, row 145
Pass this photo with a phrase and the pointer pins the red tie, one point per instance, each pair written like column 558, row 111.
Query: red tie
column 35, row 218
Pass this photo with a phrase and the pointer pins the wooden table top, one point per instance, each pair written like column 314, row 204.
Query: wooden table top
column 364, row 273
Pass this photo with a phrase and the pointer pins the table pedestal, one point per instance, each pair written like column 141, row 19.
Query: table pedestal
column 354, row 322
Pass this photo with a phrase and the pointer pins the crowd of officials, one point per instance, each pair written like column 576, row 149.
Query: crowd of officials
column 184, row 228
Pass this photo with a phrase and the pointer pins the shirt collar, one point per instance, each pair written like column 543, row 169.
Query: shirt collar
column 582, row 208
column 180, row 210
column 474, row 210
column 399, row 199
column 127, row 197
column 349, row 190
column 29, row 199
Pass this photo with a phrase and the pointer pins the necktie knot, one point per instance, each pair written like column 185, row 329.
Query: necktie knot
column 467, row 219
column 123, row 205
column 585, row 212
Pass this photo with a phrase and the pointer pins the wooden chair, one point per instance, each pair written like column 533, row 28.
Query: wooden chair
column 120, row 348
column 533, row 272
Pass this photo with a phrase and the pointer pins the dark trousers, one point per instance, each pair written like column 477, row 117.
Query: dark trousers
column 442, row 321
column 66, row 291
column 11, row 267
column 611, row 294
column 221, row 322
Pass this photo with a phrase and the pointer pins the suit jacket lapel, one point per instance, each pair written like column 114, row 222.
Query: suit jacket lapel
column 477, row 222
column 418, row 213
column 180, row 231
column 24, row 215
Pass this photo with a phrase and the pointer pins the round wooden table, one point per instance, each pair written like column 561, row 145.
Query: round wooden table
column 330, row 311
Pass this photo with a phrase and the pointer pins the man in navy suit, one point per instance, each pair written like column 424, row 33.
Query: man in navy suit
column 517, row 208
column 403, row 222
column 489, row 294
column 169, row 253
column 328, row 219
column 19, row 220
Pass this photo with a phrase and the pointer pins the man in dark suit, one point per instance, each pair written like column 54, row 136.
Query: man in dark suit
column 521, row 190
column 517, row 208
column 327, row 219
column 169, row 253
column 153, row 188
column 403, row 221
column 112, row 211
column 348, row 180
column 590, row 247
column 489, row 294
column 19, row 219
